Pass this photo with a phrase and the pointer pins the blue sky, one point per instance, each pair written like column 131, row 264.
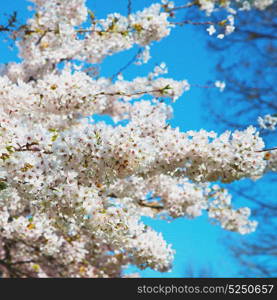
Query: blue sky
column 199, row 245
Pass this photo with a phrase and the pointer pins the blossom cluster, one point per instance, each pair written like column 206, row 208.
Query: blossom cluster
column 54, row 35
column 232, row 6
column 268, row 122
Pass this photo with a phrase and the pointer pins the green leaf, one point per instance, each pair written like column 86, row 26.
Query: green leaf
column 52, row 130
column 3, row 185
column 10, row 149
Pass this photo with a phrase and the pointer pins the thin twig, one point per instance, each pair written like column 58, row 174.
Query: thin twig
column 269, row 149
column 131, row 61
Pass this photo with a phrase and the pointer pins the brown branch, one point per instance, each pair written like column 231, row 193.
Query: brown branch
column 128, row 95
column 129, row 7
column 23, row 262
column 29, row 147
column 185, row 22
column 269, row 149
column 144, row 203
column 154, row 205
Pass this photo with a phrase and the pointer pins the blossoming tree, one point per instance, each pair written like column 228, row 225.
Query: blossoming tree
column 72, row 192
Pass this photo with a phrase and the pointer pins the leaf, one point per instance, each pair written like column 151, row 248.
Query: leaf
column 54, row 137
column 3, row 185
column 91, row 15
